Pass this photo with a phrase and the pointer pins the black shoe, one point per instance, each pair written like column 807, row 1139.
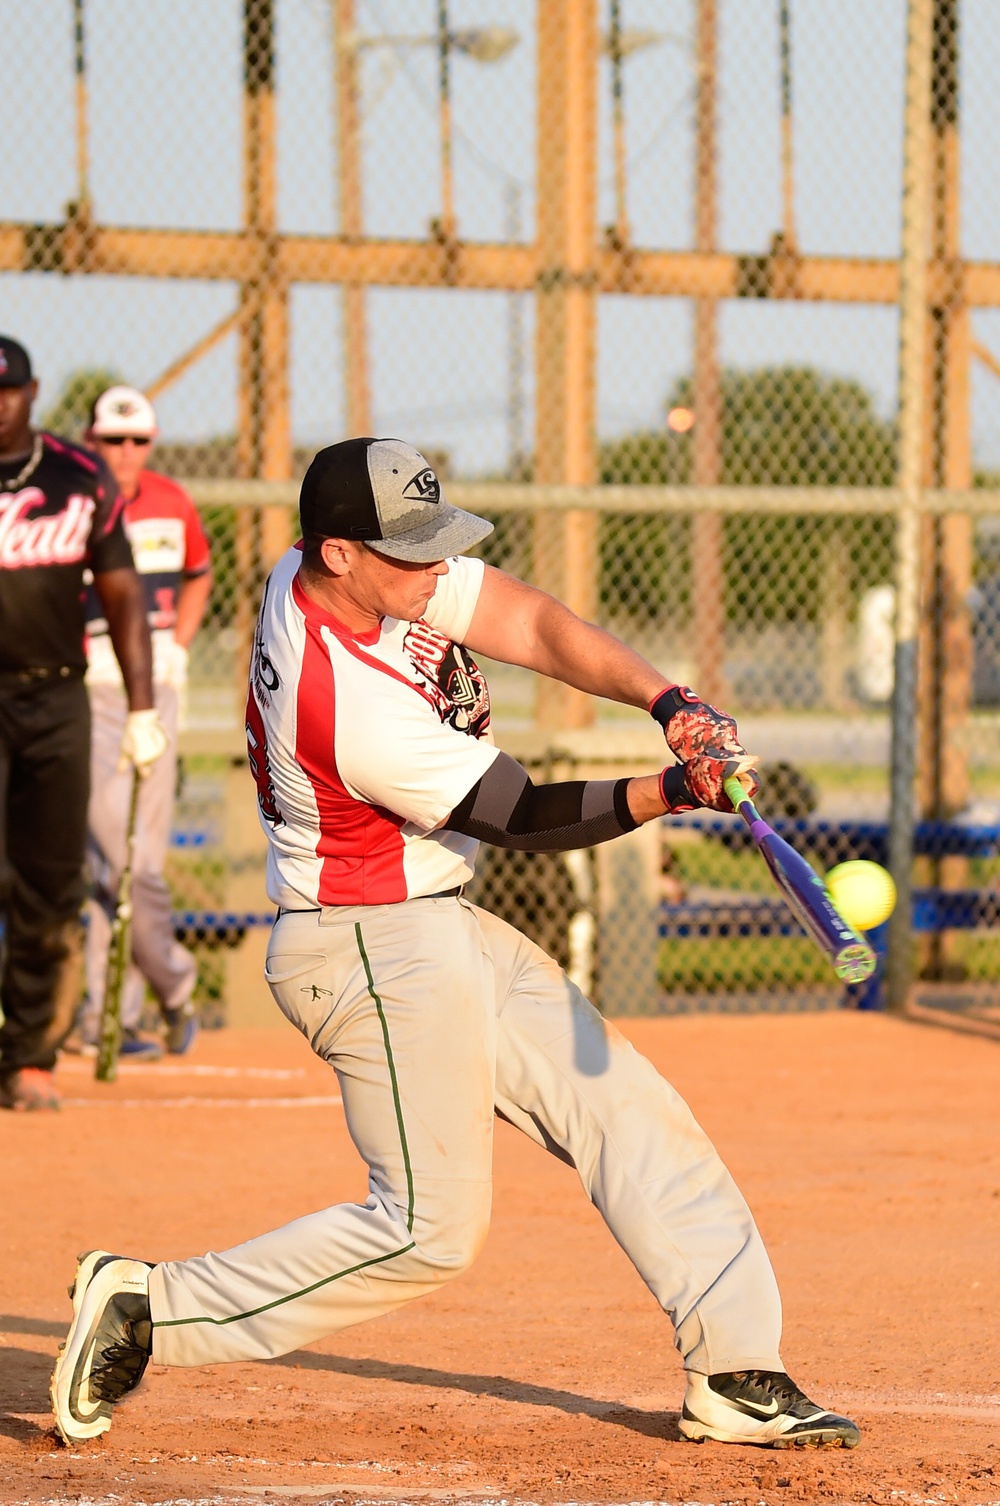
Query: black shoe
column 108, row 1345
column 181, row 1029
column 760, row 1406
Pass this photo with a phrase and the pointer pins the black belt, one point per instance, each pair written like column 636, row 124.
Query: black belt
column 318, row 909
column 41, row 674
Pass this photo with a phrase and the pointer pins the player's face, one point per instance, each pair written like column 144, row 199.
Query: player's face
column 15, row 418
column 125, row 457
column 397, row 588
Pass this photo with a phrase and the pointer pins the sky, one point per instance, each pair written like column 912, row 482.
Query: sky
column 165, row 122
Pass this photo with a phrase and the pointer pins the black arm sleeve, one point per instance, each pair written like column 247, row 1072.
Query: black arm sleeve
column 506, row 809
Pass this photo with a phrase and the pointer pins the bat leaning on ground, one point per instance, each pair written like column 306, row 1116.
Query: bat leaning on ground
column 806, row 894
column 119, row 955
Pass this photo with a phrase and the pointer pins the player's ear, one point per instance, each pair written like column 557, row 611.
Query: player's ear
column 336, row 556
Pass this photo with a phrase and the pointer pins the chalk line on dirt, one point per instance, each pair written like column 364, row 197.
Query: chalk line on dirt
column 181, row 1069
column 323, row 1100
column 361, row 1495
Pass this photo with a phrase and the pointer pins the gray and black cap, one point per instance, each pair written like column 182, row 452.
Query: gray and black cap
column 384, row 493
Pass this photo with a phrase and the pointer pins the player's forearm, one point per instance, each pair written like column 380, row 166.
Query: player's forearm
column 519, row 624
column 588, row 658
column 192, row 601
column 645, row 798
column 121, row 596
column 506, row 809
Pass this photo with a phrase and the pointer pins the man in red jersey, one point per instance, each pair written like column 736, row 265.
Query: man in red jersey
column 172, row 558
column 60, row 515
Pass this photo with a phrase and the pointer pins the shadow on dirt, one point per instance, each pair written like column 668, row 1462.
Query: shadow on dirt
column 24, row 1387
column 45, row 1328
column 649, row 1424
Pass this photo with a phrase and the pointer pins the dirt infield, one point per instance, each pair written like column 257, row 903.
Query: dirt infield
column 869, row 1150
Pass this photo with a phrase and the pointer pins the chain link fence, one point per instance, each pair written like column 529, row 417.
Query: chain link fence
column 629, row 272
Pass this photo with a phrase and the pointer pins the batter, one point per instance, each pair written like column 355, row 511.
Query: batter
column 368, row 726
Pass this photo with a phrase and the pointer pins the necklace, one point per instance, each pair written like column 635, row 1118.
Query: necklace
column 31, row 464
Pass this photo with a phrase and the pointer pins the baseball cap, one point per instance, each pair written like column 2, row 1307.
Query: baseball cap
column 384, row 493
column 15, row 363
column 123, row 410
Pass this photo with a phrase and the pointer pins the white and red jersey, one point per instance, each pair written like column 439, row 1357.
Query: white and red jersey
column 362, row 744
column 169, row 546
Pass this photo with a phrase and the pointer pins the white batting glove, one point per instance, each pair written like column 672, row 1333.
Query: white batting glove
column 143, row 741
column 177, row 666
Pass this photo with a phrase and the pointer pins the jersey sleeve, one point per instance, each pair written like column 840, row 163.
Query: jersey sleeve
column 109, row 548
column 399, row 755
column 196, row 546
column 451, row 607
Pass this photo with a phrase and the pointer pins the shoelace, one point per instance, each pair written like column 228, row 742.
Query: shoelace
column 120, row 1368
column 781, row 1387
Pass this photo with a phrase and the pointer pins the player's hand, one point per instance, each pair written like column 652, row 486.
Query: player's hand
column 143, row 741
column 692, row 727
column 175, row 671
column 700, row 783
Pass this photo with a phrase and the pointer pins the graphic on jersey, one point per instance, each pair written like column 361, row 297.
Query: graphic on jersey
column 260, row 765
column 452, row 679
column 263, row 675
column 57, row 539
column 263, row 681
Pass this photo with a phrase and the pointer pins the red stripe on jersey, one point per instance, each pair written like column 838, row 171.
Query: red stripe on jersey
column 360, row 846
column 316, row 615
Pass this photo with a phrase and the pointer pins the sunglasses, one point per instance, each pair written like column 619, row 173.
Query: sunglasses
column 139, row 439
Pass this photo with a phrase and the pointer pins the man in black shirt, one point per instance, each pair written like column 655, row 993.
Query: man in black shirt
column 59, row 515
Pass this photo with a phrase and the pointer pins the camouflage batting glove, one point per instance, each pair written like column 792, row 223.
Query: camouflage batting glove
column 700, row 783
column 692, row 727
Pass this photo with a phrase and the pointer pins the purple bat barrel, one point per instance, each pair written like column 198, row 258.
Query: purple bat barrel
column 853, row 959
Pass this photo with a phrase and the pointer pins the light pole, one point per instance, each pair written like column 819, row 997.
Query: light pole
column 619, row 44
column 484, row 44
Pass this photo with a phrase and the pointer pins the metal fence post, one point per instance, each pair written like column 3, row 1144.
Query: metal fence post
column 912, row 384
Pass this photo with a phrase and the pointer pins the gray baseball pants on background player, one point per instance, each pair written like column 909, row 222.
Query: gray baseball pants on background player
column 435, row 1014
column 157, row 956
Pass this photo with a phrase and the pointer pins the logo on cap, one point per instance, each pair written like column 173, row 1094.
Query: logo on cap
column 3, row 360
column 424, row 487
column 124, row 407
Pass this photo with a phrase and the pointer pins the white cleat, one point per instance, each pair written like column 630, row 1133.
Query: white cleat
column 764, row 1407
column 107, row 1347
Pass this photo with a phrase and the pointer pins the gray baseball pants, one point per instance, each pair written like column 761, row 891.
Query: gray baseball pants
column 435, row 1015
column 157, row 957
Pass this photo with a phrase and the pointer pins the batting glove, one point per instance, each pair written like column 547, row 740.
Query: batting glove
column 691, row 726
column 143, row 742
column 701, row 783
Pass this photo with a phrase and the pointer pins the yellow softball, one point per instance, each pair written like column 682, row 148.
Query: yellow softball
column 864, row 893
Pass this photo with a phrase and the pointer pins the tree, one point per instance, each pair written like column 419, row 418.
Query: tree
column 69, row 415
column 781, row 426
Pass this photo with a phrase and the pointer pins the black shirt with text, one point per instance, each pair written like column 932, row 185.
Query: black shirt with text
column 65, row 517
